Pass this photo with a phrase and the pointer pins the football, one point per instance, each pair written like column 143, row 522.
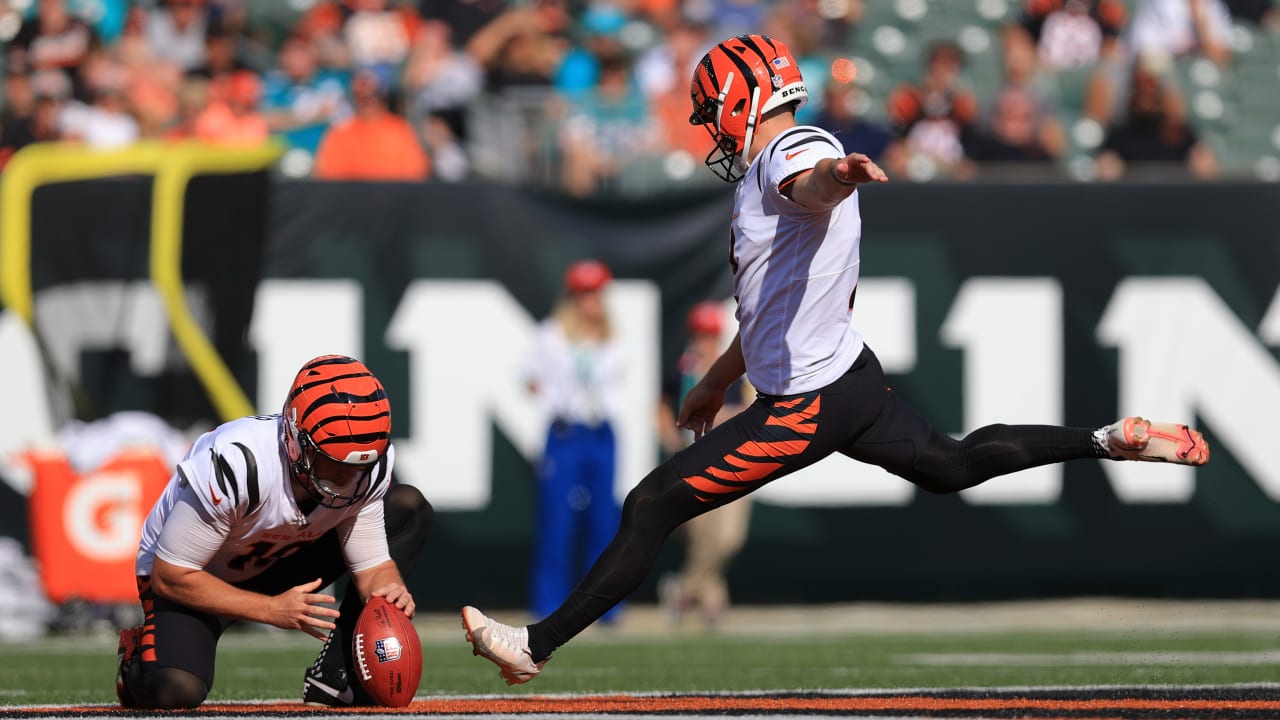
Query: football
column 388, row 653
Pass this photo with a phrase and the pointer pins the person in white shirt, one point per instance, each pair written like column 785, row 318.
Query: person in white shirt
column 575, row 370
column 795, row 237
column 262, row 513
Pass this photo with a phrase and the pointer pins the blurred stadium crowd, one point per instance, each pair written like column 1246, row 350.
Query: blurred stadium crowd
column 591, row 96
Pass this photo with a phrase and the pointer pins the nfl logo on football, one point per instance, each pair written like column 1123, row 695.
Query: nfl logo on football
column 387, row 649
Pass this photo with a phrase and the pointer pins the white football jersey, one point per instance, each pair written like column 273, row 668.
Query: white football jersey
column 795, row 270
column 236, row 479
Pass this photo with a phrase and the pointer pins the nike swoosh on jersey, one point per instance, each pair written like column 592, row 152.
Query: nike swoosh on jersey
column 791, row 155
column 216, row 500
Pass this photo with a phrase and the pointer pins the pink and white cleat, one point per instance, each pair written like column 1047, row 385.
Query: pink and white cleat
column 1135, row 438
column 503, row 645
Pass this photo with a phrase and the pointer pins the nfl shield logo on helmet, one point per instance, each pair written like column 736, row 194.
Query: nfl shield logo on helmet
column 387, row 649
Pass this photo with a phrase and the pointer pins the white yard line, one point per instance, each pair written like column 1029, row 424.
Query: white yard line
column 1195, row 658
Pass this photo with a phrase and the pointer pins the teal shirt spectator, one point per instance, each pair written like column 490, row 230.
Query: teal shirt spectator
column 106, row 17
column 313, row 105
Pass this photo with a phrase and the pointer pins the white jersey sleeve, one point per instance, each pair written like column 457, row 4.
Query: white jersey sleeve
column 795, row 152
column 190, row 536
column 364, row 537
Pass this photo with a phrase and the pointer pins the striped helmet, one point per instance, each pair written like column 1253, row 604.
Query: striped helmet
column 337, row 425
column 737, row 82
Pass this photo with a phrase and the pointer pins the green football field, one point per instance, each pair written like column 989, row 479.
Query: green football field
column 753, row 653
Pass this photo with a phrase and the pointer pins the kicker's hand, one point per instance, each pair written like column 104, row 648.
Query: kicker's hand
column 301, row 608
column 700, row 407
column 856, row 168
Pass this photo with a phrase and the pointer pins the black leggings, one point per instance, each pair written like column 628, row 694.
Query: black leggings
column 178, row 654
column 857, row 416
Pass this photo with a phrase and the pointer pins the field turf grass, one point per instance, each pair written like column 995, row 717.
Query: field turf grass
column 255, row 664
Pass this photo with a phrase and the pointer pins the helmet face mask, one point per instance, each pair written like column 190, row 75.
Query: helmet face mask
column 336, row 426
column 736, row 84
column 329, row 482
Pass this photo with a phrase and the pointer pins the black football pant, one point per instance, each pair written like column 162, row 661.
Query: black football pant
column 857, row 416
column 179, row 643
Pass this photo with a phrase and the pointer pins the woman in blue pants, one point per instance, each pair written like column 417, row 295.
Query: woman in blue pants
column 575, row 370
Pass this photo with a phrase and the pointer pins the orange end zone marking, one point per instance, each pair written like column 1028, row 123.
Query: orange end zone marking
column 1071, row 704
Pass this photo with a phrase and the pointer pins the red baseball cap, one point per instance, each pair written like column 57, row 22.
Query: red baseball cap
column 706, row 318
column 586, row 276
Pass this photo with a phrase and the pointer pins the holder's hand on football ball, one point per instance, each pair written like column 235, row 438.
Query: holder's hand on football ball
column 398, row 595
column 387, row 653
column 301, row 608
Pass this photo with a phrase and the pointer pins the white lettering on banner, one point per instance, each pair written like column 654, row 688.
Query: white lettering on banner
column 296, row 320
column 889, row 327
column 27, row 420
column 1184, row 353
column 102, row 515
column 108, row 315
column 1011, row 333
column 468, row 341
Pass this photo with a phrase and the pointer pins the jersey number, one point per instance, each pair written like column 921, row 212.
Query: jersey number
column 265, row 553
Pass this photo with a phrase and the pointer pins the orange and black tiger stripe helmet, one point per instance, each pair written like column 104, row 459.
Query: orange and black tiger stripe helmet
column 738, row 82
column 337, row 425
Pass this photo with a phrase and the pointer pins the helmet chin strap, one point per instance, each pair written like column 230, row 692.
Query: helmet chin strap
column 724, row 93
column 751, row 127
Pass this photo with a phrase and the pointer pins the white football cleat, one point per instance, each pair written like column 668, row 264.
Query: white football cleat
column 503, row 645
column 1134, row 438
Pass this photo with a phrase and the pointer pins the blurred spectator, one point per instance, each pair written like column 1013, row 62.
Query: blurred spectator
column 154, row 106
column 301, row 100
column 52, row 39
column 800, row 24
column 1183, row 27
column 1067, row 34
column 1155, row 130
column 575, row 370
column 379, row 37
column 232, row 116
column 322, row 24
column 464, row 18
column 106, row 123
column 448, row 159
column 840, row 117
column 933, row 116
column 601, row 26
column 106, row 17
column 713, row 539
column 728, row 18
column 221, row 55
column 666, row 66
column 1177, row 29
column 50, row 91
column 19, row 125
column 1263, row 13
column 521, row 47
column 176, row 33
column 375, row 144
column 605, row 131
column 192, row 99
column 1019, row 130
column 839, row 18
column 439, row 81
column 661, row 73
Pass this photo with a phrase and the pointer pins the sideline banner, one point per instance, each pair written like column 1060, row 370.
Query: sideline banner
column 1071, row 304
column 85, row 528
